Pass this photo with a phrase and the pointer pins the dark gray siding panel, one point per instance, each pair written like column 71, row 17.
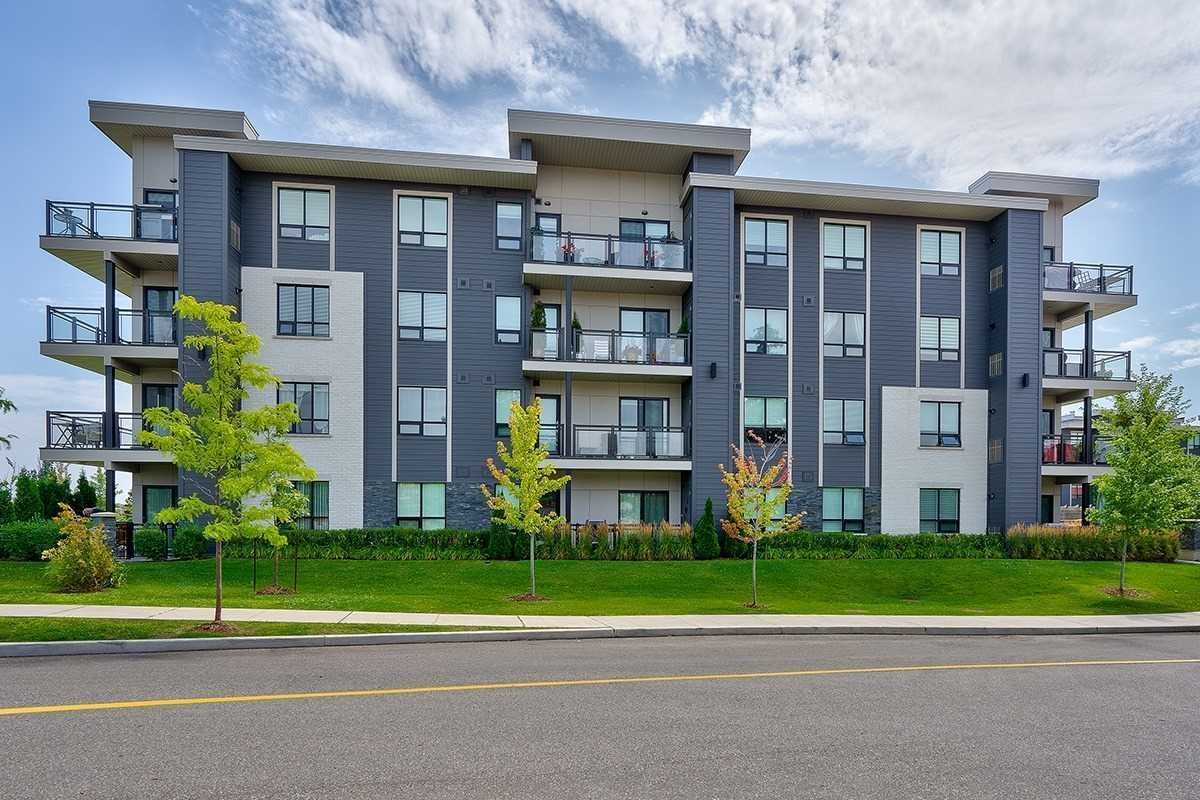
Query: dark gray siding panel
column 845, row 378
column 941, row 296
column 766, row 375
column 977, row 312
column 845, row 291
column 304, row 255
column 806, row 336
column 713, row 163
column 1023, row 358
column 256, row 219
column 941, row 374
column 844, row 465
column 997, row 396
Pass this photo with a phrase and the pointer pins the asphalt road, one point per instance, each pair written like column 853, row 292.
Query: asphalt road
column 1081, row 731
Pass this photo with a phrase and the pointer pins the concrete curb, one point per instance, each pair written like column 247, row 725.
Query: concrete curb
column 145, row 646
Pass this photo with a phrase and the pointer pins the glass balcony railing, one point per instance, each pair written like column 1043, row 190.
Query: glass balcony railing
column 134, row 326
column 611, row 251
column 1069, row 448
column 109, row 221
column 611, row 347
column 84, row 430
column 1109, row 365
column 601, row 441
column 1092, row 278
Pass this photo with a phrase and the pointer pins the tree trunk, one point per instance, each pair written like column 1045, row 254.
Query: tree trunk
column 275, row 576
column 1124, row 549
column 532, row 574
column 754, row 574
column 217, row 610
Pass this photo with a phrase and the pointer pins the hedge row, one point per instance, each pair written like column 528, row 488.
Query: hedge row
column 26, row 541
column 1088, row 544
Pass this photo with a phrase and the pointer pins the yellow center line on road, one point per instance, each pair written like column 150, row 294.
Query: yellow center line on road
column 546, row 684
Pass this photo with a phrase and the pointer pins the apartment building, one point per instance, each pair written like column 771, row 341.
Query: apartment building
column 905, row 346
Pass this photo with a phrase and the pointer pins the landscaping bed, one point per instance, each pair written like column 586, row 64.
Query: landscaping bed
column 51, row 629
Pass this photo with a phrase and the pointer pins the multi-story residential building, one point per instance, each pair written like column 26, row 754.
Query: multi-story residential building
column 903, row 344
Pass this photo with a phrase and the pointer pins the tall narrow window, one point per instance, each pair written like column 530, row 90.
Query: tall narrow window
column 421, row 505
column 765, row 418
column 304, row 214
column 995, row 365
column 317, row 493
column 421, row 315
column 302, row 310
column 842, row 509
column 845, row 246
column 939, row 511
column 843, row 422
column 939, row 338
column 766, row 331
column 312, row 403
column 766, row 242
column 423, row 221
column 504, row 400
column 940, row 424
column 509, row 226
column 421, row 411
column 845, row 334
column 941, row 252
column 508, row 320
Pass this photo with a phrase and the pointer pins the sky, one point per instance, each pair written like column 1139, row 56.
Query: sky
column 925, row 94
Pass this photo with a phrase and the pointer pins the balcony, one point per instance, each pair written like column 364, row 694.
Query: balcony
column 1067, row 454
column 80, row 336
column 141, row 237
column 598, row 262
column 1067, row 372
column 1069, row 289
column 586, row 352
column 81, row 437
column 620, row 447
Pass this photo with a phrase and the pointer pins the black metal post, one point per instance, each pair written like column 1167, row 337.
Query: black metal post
column 565, row 446
column 109, row 428
column 1085, row 503
column 1088, row 366
column 110, row 490
column 568, row 319
column 110, row 300
column 1087, row 429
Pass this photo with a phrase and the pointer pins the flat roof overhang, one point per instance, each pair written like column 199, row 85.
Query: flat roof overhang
column 574, row 140
column 335, row 161
column 1071, row 390
column 653, row 464
column 121, row 122
column 604, row 370
column 1068, row 308
column 850, row 198
column 132, row 256
column 118, row 458
column 127, row 359
column 1070, row 193
column 1061, row 471
column 589, row 278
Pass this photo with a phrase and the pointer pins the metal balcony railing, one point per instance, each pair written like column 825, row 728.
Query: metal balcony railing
column 1070, row 448
column 1094, row 278
column 610, row 347
column 87, row 326
column 110, row 221
column 84, row 430
column 607, row 250
column 1112, row 365
column 550, row 437
column 614, row 441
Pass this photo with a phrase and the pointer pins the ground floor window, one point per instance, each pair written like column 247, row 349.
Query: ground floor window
column 421, row 505
column 154, row 500
column 842, row 509
column 649, row 507
column 317, row 493
column 939, row 511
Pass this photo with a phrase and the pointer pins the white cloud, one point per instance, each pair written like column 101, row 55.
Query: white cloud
column 1184, row 309
column 1181, row 347
column 1187, row 363
column 1138, row 343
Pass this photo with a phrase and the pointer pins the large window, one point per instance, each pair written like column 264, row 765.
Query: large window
column 765, row 418
column 421, row 505
column 842, row 509
column 302, row 310
column 312, row 401
column 421, row 411
column 766, row 242
column 845, row 246
column 637, row 507
column 845, row 334
column 317, row 493
column 508, row 226
column 422, row 315
column 939, row 338
column 939, row 511
column 504, row 400
column 940, row 424
column 423, row 221
column 843, row 422
column 766, row 331
column 304, row 214
column 941, row 252
column 508, row 320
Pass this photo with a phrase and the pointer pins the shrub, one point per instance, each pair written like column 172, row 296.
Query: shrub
column 81, row 561
column 499, row 543
column 373, row 544
column 26, row 541
column 190, row 542
column 1080, row 543
column 821, row 545
column 151, row 543
column 705, row 544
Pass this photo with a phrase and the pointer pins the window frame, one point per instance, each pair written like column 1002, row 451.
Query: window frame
column 764, row 431
column 939, row 523
column 996, row 365
column 311, row 521
column 763, row 347
column 856, row 524
column 513, row 334
column 843, row 258
column 940, row 353
column 941, row 267
column 303, row 228
column 422, row 234
column 827, row 347
column 851, row 438
column 940, row 438
column 423, row 330
column 764, row 257
column 424, row 427
column 296, row 323
column 421, row 519
column 311, row 422
column 498, row 238
column 642, row 493
column 502, row 429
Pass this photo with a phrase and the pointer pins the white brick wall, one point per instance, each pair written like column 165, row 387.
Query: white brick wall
column 337, row 360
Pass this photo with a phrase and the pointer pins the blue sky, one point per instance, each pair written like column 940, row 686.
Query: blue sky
column 859, row 92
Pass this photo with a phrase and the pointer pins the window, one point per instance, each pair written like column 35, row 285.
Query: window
column 941, row 252
column 423, row 221
column 155, row 499
column 312, row 400
column 841, row 509
column 939, row 424
column 158, row 395
column 421, row 505
column 766, row 418
column 422, row 315
column 638, row 507
column 304, row 214
column 1047, row 338
column 1047, row 254
column 995, row 279
column 302, row 310
column 845, row 334
column 766, row 242
column 504, row 400
column 939, row 338
column 766, row 331
column 844, row 422
column 996, row 365
column 1046, row 425
column 317, row 493
column 421, row 411
column 845, row 246
column 755, row 499
column 508, row 226
column 939, row 511
column 508, row 320
column 995, row 451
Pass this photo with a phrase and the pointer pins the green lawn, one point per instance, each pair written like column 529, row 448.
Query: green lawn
column 44, row 629
column 950, row 586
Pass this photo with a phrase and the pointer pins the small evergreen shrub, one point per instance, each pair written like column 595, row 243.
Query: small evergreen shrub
column 151, row 543
column 190, row 542
column 1088, row 543
column 26, row 541
column 705, row 544
column 81, row 561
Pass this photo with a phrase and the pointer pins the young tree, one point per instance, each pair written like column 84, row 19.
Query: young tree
column 6, row 407
column 241, row 453
column 526, row 478
column 758, row 490
column 704, row 540
column 1153, row 482
column 101, row 484
column 27, row 505
column 54, row 482
column 85, row 494
column 6, row 504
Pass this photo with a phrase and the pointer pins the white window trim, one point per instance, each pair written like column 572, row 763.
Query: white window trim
column 324, row 187
column 962, row 299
